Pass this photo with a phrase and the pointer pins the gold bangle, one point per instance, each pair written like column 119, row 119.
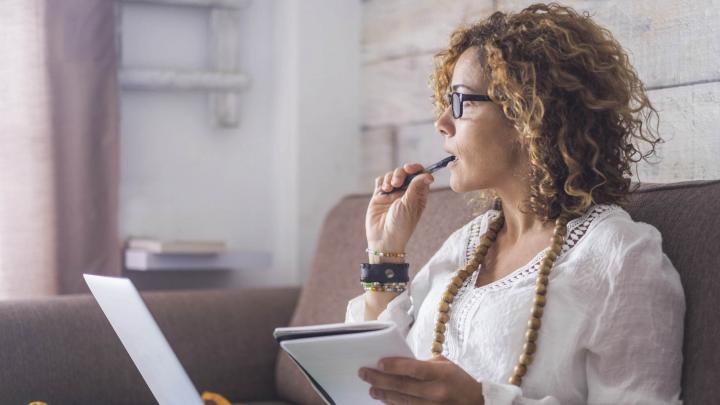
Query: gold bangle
column 384, row 254
column 384, row 287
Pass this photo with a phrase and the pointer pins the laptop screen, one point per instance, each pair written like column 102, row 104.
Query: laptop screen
column 143, row 340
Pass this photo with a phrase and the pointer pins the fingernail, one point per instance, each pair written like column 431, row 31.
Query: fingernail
column 428, row 181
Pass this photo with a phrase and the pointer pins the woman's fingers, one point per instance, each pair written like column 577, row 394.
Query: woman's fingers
column 386, row 181
column 400, row 384
column 398, row 177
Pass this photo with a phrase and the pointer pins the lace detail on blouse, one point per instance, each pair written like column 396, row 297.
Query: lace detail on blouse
column 466, row 295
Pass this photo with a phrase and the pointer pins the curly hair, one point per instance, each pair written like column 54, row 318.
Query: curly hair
column 568, row 88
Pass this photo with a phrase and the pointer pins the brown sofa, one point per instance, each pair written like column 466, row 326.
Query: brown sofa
column 63, row 351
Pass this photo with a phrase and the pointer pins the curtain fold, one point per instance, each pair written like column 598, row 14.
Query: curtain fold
column 59, row 158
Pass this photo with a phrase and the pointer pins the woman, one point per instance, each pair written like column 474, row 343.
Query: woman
column 554, row 296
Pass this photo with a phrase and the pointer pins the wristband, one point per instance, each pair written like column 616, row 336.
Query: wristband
column 384, row 273
column 384, row 254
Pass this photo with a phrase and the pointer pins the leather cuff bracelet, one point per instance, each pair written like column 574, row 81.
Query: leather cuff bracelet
column 384, row 273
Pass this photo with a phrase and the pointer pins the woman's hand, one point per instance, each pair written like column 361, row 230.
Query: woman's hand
column 409, row 381
column 391, row 218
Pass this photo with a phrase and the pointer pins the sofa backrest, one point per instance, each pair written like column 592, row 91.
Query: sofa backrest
column 687, row 215
column 62, row 350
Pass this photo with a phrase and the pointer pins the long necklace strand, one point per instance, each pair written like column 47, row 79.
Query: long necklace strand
column 536, row 312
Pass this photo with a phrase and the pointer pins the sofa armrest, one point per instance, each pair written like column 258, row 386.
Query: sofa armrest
column 63, row 349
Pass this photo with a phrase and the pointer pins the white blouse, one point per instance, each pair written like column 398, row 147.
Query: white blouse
column 612, row 328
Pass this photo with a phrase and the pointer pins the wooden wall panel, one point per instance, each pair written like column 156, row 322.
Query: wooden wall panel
column 397, row 28
column 377, row 155
column 669, row 41
column 397, row 92
column 422, row 144
column 688, row 124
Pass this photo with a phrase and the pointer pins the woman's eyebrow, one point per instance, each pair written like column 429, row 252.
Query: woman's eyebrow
column 455, row 87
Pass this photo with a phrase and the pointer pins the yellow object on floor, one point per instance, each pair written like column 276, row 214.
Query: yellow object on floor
column 212, row 398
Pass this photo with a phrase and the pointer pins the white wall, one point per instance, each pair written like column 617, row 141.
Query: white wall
column 266, row 185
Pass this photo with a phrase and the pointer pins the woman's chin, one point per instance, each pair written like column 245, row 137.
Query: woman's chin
column 456, row 186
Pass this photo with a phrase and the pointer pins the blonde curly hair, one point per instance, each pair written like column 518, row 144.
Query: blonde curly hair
column 568, row 88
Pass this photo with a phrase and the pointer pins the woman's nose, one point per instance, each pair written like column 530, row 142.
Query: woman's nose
column 444, row 124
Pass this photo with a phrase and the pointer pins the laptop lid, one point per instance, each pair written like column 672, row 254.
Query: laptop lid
column 143, row 340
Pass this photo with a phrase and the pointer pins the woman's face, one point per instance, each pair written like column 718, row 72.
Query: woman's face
column 483, row 140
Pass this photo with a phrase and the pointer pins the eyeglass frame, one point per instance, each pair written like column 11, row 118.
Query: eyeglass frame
column 462, row 97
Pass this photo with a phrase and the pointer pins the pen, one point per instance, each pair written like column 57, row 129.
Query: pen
column 430, row 169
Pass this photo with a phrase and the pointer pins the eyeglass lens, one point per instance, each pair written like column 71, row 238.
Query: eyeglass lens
column 457, row 105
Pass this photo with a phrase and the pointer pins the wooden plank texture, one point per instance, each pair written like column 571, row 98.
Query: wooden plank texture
column 396, row 28
column 669, row 41
column 688, row 123
column 422, row 144
column 377, row 156
column 397, row 91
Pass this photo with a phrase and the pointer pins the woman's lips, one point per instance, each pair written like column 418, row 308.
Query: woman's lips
column 453, row 163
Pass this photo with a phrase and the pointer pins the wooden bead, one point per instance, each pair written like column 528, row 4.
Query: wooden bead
column 539, row 301
column 444, row 306
column 534, row 323
column 529, row 347
column 440, row 338
column 537, row 311
column 541, row 279
column 443, row 317
column 440, row 327
column 437, row 347
column 520, row 370
column 514, row 380
column 481, row 251
column 452, row 288
column 551, row 255
column 544, row 270
column 448, row 297
column 457, row 281
column 462, row 274
column 531, row 335
column 556, row 245
column 526, row 359
column 540, row 289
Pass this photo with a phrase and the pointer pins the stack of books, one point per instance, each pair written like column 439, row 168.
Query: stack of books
column 152, row 254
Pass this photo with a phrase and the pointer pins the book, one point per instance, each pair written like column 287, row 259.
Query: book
column 177, row 246
column 330, row 355
column 148, row 261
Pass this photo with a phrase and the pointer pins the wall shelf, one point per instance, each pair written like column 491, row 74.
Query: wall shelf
column 223, row 81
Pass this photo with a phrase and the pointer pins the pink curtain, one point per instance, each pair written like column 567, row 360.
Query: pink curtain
column 59, row 153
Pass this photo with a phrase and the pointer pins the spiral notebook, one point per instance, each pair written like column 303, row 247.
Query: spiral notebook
column 330, row 355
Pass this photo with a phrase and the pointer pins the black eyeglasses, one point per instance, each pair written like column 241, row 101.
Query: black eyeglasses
column 456, row 100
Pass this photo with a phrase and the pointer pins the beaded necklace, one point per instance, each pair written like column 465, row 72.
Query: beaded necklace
column 536, row 311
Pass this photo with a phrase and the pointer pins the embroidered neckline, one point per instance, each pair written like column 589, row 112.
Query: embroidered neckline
column 576, row 229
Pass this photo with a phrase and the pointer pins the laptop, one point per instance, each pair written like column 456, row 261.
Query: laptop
column 143, row 340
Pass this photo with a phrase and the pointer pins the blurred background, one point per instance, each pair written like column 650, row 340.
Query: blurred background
column 235, row 125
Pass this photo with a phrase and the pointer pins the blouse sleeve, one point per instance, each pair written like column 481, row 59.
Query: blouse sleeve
column 402, row 310
column 633, row 350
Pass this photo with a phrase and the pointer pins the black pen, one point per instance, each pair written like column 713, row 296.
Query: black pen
column 430, row 169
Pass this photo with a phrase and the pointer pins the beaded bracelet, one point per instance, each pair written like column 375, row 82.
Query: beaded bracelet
column 384, row 287
column 384, row 254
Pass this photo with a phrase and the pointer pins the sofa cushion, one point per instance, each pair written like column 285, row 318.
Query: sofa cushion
column 685, row 213
column 62, row 350
column 688, row 217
